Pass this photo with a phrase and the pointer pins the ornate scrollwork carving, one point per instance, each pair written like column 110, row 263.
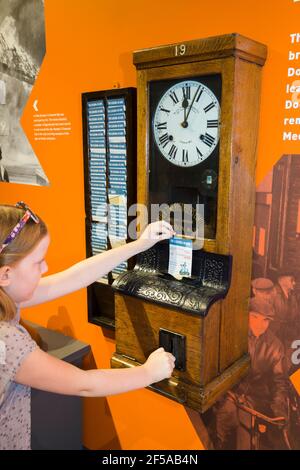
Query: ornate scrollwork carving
column 148, row 282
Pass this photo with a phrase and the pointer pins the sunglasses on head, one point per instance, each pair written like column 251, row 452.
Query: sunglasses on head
column 29, row 214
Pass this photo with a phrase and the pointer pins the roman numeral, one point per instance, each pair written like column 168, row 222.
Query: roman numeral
column 207, row 139
column 164, row 139
column 165, row 110
column 212, row 123
column 198, row 94
column 186, row 92
column 173, row 151
column 185, row 156
column 209, row 107
column 161, row 125
column 199, row 153
column 173, row 96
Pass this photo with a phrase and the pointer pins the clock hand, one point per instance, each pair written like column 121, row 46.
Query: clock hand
column 185, row 105
column 191, row 105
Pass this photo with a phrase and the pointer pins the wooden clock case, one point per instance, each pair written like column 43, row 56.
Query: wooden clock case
column 213, row 344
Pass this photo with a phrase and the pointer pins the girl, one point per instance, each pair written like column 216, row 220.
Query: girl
column 24, row 240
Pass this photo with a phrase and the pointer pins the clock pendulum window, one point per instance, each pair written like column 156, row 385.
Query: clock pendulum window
column 197, row 137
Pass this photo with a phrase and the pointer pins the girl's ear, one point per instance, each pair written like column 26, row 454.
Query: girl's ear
column 5, row 276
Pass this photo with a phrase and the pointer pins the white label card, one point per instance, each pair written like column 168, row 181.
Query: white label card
column 180, row 257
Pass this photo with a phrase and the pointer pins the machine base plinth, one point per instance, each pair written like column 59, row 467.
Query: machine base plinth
column 192, row 395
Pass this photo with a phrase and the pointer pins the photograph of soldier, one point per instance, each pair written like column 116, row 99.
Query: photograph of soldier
column 262, row 288
column 263, row 411
column 262, row 392
column 286, row 322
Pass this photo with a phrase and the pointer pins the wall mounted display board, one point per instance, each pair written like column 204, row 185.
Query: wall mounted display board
column 109, row 150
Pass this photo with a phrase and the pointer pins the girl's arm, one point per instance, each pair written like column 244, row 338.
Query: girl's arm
column 44, row 372
column 81, row 274
column 91, row 269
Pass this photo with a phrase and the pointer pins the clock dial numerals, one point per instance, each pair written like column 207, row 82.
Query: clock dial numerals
column 185, row 156
column 173, row 151
column 186, row 123
column 208, row 139
column 173, row 97
column 212, row 123
column 186, row 92
column 199, row 152
column 161, row 125
column 198, row 94
column 164, row 140
column 209, row 107
column 165, row 110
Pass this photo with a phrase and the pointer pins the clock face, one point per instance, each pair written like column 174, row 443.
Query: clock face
column 186, row 123
column 184, row 147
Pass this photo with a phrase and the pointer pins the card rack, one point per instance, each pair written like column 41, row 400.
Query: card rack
column 109, row 150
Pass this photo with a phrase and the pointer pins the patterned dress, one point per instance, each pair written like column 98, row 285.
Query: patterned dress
column 15, row 399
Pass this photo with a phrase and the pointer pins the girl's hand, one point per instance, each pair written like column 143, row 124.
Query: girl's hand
column 159, row 365
column 155, row 232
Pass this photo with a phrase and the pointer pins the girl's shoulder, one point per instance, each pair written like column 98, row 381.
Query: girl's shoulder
column 12, row 328
column 15, row 337
column 15, row 344
column 15, row 340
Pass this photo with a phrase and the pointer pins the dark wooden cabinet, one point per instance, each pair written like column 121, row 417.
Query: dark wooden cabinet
column 109, row 151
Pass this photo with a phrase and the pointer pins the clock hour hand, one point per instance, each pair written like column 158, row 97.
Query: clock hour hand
column 185, row 105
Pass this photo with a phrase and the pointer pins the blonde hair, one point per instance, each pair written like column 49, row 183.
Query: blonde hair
column 15, row 251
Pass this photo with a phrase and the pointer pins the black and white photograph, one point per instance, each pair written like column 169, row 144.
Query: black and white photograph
column 22, row 49
column 263, row 411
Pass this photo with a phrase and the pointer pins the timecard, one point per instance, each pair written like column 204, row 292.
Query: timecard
column 180, row 257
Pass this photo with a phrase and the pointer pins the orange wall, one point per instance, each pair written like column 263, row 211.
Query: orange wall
column 89, row 47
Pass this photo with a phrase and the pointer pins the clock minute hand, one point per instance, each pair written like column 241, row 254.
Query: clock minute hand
column 189, row 110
